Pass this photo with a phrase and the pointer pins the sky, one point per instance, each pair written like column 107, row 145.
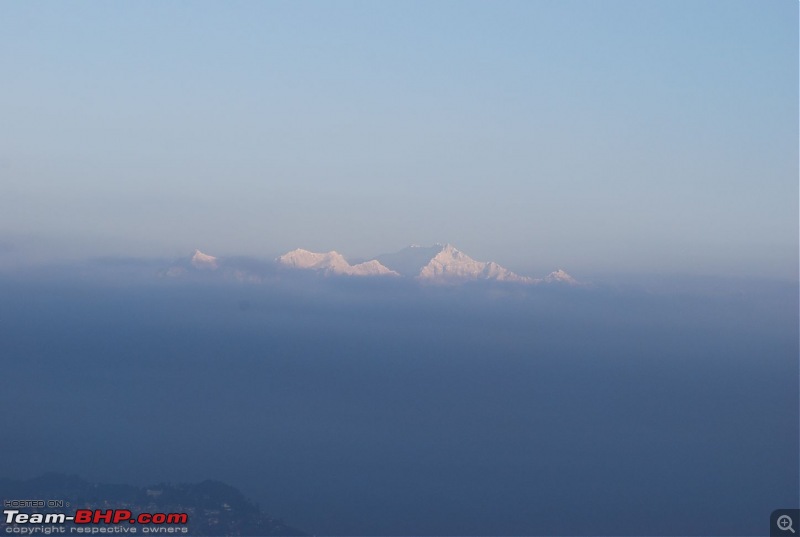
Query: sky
column 601, row 137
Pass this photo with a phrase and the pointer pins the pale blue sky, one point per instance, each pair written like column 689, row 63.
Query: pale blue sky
column 595, row 136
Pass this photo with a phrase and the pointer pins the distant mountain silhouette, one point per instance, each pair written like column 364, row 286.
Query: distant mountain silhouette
column 214, row 508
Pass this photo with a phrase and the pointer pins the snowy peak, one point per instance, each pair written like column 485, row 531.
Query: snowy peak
column 560, row 276
column 331, row 263
column 196, row 263
column 303, row 259
column 371, row 268
column 493, row 271
column 451, row 265
column 204, row 267
column 204, row 261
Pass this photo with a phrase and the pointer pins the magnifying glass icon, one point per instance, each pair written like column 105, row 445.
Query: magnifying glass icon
column 785, row 523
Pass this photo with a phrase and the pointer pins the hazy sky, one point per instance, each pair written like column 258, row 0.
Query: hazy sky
column 594, row 136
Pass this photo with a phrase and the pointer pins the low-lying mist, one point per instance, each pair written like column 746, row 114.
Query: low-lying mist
column 385, row 408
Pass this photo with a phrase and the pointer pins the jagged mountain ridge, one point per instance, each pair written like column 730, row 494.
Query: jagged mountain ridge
column 440, row 263
column 444, row 263
column 437, row 264
column 332, row 263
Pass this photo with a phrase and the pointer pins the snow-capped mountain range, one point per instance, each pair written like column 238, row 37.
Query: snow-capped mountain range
column 440, row 263
column 437, row 264
column 332, row 263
